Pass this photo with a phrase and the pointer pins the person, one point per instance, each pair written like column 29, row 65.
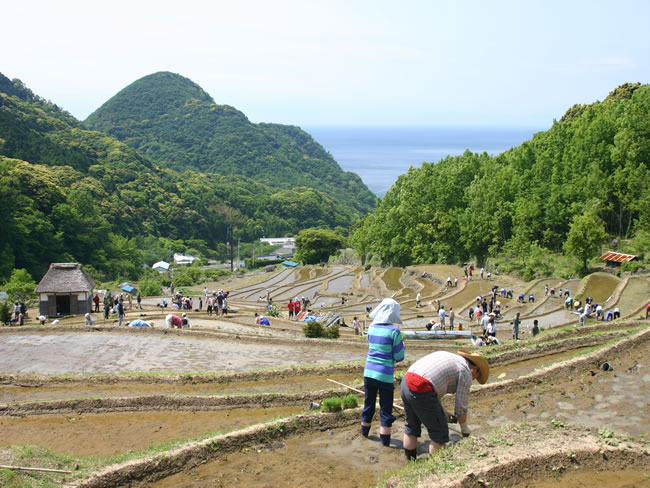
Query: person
column 531, row 298
column 535, row 327
column 258, row 317
column 185, row 322
column 139, row 323
column 520, row 299
column 355, row 325
column 432, row 325
column 482, row 272
column 265, row 321
column 16, row 310
column 491, row 326
column 515, row 328
column 290, row 306
column 385, row 348
column 89, row 319
column 489, row 275
column 455, row 282
column 442, row 314
column 42, row 319
column 546, row 290
column 583, row 316
column 471, row 313
column 225, row 304
column 120, row 312
column 172, row 321
column 449, row 281
column 423, row 386
column 600, row 312
column 610, row 316
column 617, row 313
column 418, row 300
column 96, row 302
column 139, row 300
column 568, row 303
column 296, row 308
column 452, row 315
column 485, row 321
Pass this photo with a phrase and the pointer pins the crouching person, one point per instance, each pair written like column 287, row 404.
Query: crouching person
column 423, row 386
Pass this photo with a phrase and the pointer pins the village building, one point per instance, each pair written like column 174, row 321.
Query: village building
column 161, row 266
column 184, row 259
column 66, row 289
column 615, row 259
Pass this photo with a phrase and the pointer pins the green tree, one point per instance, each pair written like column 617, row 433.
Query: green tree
column 586, row 234
column 317, row 245
column 20, row 287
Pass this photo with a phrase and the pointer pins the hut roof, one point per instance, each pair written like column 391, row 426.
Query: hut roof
column 617, row 257
column 65, row 278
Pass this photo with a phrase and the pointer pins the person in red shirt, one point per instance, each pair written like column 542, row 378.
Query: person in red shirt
column 173, row 321
column 296, row 308
column 291, row 306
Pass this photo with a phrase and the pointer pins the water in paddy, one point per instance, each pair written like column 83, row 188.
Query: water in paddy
column 635, row 295
column 600, row 287
column 107, row 434
column 391, row 278
column 340, row 285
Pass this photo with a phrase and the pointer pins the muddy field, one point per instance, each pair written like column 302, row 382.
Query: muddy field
column 229, row 403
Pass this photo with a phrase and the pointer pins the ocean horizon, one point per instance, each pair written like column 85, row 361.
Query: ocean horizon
column 379, row 155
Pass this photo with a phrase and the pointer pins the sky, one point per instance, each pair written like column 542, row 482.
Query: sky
column 337, row 63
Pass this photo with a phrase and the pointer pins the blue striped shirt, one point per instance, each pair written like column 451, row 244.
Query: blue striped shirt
column 385, row 348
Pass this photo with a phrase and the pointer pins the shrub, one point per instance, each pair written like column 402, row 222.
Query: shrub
column 332, row 332
column 350, row 401
column 313, row 329
column 332, row 404
column 150, row 287
column 4, row 313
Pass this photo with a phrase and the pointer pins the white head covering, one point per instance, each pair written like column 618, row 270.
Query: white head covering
column 387, row 312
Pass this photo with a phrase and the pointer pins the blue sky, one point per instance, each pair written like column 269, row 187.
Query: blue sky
column 364, row 63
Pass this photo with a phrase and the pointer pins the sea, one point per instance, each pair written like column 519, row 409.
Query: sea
column 379, row 155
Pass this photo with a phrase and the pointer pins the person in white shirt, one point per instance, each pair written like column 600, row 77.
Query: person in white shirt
column 442, row 315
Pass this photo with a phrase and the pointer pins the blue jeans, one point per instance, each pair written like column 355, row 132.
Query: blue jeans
column 385, row 390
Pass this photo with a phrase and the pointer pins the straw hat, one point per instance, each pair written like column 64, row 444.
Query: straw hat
column 479, row 361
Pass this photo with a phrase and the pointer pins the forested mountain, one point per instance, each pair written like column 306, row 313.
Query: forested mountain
column 176, row 124
column 591, row 167
column 71, row 194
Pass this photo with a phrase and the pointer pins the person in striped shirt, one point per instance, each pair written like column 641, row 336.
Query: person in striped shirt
column 423, row 386
column 385, row 348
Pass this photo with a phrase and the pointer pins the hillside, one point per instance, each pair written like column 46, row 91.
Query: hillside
column 71, row 194
column 176, row 124
column 591, row 168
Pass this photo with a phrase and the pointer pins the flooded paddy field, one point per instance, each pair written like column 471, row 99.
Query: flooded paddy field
column 186, row 409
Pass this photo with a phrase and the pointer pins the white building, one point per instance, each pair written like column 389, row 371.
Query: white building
column 280, row 241
column 180, row 259
column 161, row 266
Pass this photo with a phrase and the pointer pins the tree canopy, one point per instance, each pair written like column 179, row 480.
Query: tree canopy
column 595, row 160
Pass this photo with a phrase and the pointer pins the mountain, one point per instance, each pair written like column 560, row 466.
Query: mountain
column 175, row 123
column 72, row 194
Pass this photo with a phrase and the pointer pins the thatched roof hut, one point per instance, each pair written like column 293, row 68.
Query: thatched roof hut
column 65, row 289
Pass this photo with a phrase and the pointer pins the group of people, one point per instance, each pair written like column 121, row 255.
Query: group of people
column 422, row 387
column 18, row 315
column 294, row 306
column 442, row 317
column 216, row 302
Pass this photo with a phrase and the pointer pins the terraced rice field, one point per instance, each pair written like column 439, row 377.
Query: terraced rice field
column 228, row 403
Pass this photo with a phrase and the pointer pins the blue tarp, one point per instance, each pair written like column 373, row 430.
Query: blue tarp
column 128, row 288
column 289, row 263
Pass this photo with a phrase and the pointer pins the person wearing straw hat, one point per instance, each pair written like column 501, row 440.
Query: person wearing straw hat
column 385, row 348
column 423, row 386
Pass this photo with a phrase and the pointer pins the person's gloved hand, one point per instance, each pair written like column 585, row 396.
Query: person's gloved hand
column 465, row 430
column 451, row 419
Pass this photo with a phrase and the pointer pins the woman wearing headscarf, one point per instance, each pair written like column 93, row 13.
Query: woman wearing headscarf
column 385, row 348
